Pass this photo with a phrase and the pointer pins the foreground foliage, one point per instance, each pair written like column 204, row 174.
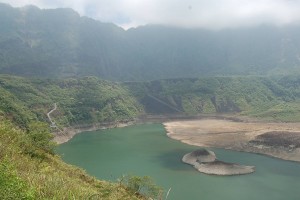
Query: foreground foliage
column 141, row 186
column 29, row 176
column 12, row 186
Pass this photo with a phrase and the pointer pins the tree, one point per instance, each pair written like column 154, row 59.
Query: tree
column 41, row 138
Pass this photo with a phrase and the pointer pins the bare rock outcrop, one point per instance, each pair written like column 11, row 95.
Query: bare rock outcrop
column 205, row 161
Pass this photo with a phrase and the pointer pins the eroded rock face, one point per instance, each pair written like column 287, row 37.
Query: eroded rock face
column 199, row 156
column 205, row 161
column 284, row 139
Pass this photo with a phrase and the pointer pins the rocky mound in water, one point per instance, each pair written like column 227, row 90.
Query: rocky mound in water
column 205, row 161
column 199, row 156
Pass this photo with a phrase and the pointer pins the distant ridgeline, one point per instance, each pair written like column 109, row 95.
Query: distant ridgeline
column 90, row 100
column 60, row 43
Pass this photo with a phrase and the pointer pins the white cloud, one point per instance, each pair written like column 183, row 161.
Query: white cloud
column 213, row 14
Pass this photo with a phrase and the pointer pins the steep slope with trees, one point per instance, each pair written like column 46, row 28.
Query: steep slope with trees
column 268, row 98
column 90, row 100
column 87, row 100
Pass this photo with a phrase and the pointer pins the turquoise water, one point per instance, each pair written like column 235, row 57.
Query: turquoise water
column 146, row 150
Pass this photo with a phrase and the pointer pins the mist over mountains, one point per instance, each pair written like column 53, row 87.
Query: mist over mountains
column 60, row 43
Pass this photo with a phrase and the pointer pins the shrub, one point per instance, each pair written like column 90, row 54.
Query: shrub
column 40, row 139
column 11, row 186
column 141, row 186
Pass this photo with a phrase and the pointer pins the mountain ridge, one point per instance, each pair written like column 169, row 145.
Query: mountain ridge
column 60, row 43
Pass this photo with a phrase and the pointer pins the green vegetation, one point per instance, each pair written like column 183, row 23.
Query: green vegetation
column 12, row 186
column 59, row 43
column 141, row 185
column 87, row 100
column 90, row 100
column 29, row 168
column 40, row 140
column 24, row 175
column 264, row 97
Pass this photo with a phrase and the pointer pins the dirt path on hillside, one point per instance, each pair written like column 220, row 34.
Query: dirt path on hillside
column 49, row 117
column 281, row 140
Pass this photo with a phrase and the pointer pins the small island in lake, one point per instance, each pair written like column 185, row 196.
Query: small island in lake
column 205, row 161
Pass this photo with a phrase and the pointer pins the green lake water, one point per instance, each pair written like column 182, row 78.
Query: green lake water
column 146, row 150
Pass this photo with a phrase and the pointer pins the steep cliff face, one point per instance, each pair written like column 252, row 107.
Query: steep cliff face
column 60, row 43
column 256, row 96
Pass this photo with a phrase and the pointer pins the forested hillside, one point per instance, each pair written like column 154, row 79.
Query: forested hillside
column 86, row 100
column 90, row 100
column 60, row 43
column 268, row 98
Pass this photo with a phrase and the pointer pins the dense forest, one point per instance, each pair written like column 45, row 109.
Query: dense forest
column 90, row 100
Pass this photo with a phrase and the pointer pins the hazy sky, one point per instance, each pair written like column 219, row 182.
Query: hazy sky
column 213, row 14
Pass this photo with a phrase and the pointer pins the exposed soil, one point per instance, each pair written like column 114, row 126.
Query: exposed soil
column 65, row 134
column 62, row 136
column 281, row 140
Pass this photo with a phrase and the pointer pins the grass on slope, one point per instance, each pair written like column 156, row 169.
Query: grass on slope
column 283, row 112
column 24, row 175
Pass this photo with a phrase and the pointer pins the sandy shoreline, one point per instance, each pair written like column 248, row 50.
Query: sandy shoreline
column 68, row 133
column 220, row 132
column 280, row 140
